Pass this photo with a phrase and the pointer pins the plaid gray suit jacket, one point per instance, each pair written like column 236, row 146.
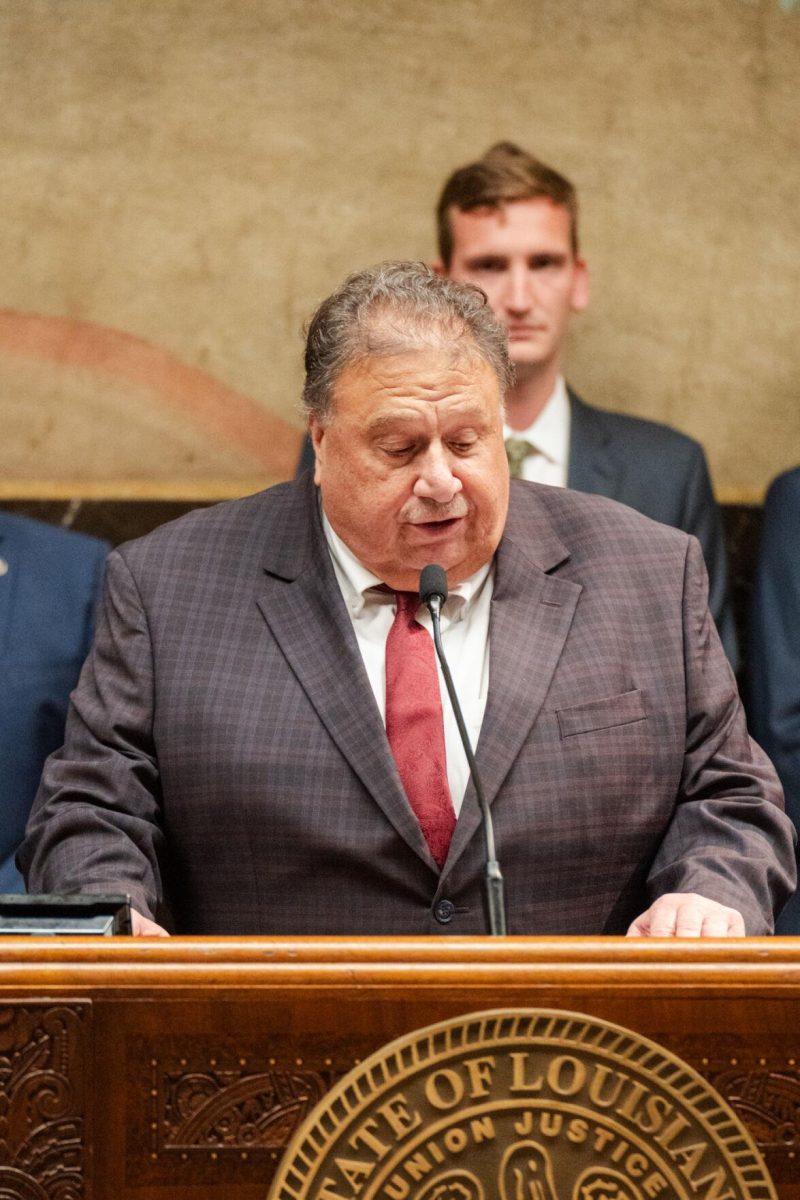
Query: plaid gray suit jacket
column 226, row 764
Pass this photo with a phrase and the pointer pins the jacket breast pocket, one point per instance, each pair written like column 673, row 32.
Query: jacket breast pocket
column 607, row 713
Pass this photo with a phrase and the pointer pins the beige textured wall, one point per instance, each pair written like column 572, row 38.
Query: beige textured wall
column 181, row 180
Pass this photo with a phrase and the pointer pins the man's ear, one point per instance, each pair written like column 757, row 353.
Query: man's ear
column 580, row 286
column 438, row 267
column 317, row 434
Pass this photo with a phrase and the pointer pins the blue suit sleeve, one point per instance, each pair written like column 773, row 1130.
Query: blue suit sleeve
column 774, row 654
column 98, row 571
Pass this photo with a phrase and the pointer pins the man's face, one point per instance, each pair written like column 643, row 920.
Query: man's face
column 411, row 464
column 521, row 256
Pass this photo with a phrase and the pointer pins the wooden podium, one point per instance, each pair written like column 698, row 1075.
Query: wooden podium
column 180, row 1068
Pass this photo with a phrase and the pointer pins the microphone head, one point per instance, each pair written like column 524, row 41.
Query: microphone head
column 432, row 582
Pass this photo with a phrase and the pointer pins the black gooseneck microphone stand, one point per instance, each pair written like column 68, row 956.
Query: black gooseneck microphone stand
column 433, row 593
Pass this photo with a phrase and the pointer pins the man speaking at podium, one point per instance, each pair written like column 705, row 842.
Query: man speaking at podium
column 258, row 743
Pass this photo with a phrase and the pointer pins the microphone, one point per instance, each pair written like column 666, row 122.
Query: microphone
column 433, row 593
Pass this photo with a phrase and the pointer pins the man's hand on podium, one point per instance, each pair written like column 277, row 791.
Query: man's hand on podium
column 677, row 914
column 143, row 927
column 685, row 914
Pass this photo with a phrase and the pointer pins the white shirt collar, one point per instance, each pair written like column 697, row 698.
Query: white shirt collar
column 549, row 433
column 358, row 583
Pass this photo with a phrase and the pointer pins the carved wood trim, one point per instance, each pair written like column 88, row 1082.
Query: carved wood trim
column 222, row 1105
column 44, row 1054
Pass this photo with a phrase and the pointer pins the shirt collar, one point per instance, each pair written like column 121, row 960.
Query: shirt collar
column 549, row 433
column 359, row 585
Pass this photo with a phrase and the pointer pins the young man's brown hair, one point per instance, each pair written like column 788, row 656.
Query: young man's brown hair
column 503, row 174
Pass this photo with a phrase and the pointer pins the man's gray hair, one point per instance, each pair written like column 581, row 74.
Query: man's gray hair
column 392, row 308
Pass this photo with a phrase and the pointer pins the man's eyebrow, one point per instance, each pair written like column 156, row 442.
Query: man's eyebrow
column 470, row 413
column 390, row 423
column 475, row 260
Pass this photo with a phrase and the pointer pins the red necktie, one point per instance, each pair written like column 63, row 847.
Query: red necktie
column 415, row 727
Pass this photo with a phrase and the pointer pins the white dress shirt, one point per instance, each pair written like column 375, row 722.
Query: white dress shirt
column 549, row 434
column 465, row 637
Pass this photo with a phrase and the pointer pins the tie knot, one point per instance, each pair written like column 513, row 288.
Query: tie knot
column 517, row 450
column 407, row 603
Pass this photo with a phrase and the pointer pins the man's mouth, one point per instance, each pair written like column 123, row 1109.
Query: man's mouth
column 436, row 527
column 520, row 331
column 445, row 523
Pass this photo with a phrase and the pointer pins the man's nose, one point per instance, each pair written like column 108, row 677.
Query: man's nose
column 436, row 480
column 518, row 296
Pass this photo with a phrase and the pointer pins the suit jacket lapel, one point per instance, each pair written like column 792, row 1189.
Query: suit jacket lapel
column 530, row 618
column 592, row 467
column 302, row 603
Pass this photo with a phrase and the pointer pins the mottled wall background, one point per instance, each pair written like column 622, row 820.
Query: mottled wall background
column 182, row 180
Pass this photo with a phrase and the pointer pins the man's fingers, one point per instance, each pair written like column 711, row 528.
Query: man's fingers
column 690, row 918
column 657, row 921
column 717, row 924
column 663, row 915
column 144, row 927
column 687, row 915
column 735, row 923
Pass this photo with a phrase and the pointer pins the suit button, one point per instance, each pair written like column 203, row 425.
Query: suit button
column 444, row 911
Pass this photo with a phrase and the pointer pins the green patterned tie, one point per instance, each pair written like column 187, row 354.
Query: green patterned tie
column 517, row 450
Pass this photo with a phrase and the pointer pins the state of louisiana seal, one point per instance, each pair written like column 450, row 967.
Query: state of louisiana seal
column 522, row 1105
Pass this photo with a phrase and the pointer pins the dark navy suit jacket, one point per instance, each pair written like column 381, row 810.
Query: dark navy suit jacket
column 49, row 582
column 774, row 654
column 661, row 473
column 657, row 471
